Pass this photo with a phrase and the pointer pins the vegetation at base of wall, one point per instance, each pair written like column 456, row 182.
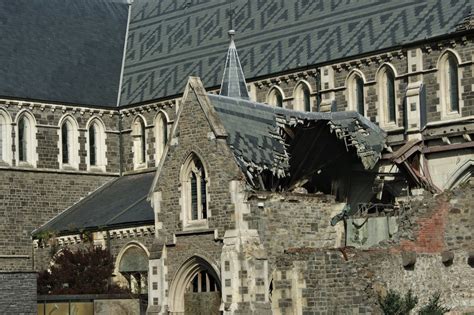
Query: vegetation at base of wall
column 434, row 306
column 394, row 304
column 83, row 271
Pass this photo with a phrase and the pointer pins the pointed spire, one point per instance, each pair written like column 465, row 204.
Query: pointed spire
column 233, row 81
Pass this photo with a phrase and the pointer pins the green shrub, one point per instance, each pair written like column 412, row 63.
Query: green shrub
column 434, row 306
column 394, row 304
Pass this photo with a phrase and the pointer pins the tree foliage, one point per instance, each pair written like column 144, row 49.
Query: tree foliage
column 83, row 271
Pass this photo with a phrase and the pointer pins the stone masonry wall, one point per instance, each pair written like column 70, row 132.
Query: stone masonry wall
column 194, row 134
column 18, row 293
column 149, row 115
column 47, row 135
column 369, row 66
column 320, row 281
column 292, row 220
column 28, row 199
column 435, row 236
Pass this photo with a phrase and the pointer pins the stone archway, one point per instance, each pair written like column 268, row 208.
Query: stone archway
column 196, row 288
column 132, row 265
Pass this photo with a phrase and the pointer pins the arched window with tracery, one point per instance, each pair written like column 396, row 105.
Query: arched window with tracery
column 302, row 98
column 26, row 140
column 275, row 97
column 139, row 142
column 386, row 95
column 96, row 145
column 194, row 188
column 161, row 135
column 68, row 149
column 5, row 138
column 448, row 76
column 356, row 99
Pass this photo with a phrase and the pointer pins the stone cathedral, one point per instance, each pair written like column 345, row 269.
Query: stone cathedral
column 241, row 157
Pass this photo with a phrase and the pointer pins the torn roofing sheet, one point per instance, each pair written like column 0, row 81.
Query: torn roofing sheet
column 257, row 139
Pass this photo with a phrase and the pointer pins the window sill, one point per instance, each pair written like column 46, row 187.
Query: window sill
column 25, row 164
column 68, row 167
column 390, row 127
column 95, row 168
column 451, row 115
column 195, row 225
column 139, row 166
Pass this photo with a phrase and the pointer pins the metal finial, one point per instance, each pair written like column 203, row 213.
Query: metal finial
column 231, row 34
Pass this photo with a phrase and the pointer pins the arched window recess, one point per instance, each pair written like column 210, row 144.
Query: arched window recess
column 355, row 92
column 275, row 97
column 194, row 190
column 449, row 81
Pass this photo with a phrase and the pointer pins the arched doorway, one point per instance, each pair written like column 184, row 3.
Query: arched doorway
column 196, row 288
column 133, row 266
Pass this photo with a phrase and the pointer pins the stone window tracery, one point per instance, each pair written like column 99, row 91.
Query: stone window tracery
column 194, row 193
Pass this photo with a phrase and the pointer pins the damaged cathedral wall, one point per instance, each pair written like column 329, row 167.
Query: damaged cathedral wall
column 432, row 252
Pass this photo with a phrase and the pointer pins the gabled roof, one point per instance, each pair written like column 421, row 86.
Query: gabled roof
column 171, row 40
column 120, row 202
column 66, row 51
column 257, row 136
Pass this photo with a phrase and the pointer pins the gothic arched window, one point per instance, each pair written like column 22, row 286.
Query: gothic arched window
column 69, row 155
column 275, row 97
column 66, row 131
column 449, row 83
column 93, row 145
column 161, row 134
column 139, row 142
column 386, row 95
column 194, row 188
column 96, row 145
column 356, row 99
column 302, row 99
column 26, row 140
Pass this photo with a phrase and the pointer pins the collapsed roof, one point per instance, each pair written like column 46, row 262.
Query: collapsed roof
column 292, row 144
